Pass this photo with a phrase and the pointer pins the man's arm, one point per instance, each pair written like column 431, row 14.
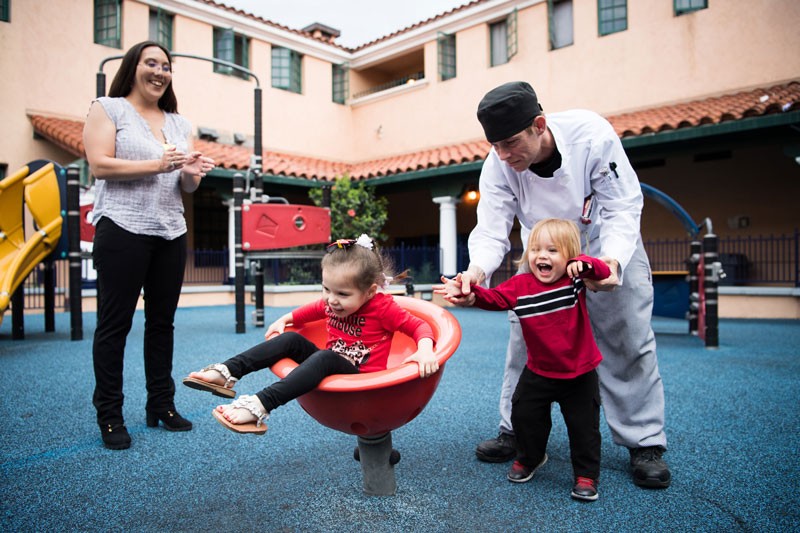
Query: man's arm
column 496, row 211
column 619, row 198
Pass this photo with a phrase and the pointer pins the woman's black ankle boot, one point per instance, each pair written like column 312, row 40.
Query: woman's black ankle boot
column 171, row 420
column 115, row 436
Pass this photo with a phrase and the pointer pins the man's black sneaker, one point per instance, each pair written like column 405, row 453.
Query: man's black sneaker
column 520, row 473
column 585, row 489
column 501, row 449
column 649, row 469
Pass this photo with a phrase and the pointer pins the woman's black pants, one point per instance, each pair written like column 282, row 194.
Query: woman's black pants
column 126, row 263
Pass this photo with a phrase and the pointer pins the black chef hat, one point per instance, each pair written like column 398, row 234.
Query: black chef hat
column 507, row 110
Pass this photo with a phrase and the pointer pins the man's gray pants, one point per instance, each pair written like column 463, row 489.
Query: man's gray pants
column 630, row 385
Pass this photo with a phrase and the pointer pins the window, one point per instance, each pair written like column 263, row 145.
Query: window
column 503, row 40
column 687, row 6
column 561, row 34
column 341, row 83
column 612, row 16
column 447, row 56
column 5, row 10
column 233, row 48
column 286, row 73
column 161, row 27
column 108, row 22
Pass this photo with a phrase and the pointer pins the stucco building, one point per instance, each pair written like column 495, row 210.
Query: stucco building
column 704, row 93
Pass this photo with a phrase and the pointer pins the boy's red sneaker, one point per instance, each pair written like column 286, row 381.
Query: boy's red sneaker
column 520, row 473
column 585, row 489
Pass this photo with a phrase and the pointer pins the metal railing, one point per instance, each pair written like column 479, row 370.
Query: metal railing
column 752, row 260
column 203, row 267
column 206, row 267
column 770, row 260
column 389, row 85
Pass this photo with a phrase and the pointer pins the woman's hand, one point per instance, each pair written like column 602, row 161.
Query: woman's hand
column 172, row 159
column 194, row 169
column 197, row 164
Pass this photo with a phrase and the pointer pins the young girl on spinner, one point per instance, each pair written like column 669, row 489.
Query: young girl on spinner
column 360, row 323
column 549, row 297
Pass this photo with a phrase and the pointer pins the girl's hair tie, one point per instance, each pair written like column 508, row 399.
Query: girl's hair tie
column 343, row 244
column 364, row 241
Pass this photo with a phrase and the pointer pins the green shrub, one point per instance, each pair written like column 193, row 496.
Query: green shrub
column 354, row 209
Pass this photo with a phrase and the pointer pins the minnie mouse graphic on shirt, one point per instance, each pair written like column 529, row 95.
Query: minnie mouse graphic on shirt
column 357, row 353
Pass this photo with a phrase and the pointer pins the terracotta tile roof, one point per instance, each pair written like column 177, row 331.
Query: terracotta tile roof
column 64, row 133
column 422, row 160
column 466, row 5
column 243, row 13
column 218, row 5
column 754, row 103
column 67, row 134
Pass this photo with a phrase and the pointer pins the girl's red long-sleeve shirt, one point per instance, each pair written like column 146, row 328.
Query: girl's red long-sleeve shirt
column 365, row 337
column 554, row 320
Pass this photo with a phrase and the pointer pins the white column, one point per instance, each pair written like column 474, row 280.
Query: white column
column 448, row 243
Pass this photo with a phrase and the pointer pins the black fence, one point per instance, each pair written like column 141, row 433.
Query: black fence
column 753, row 260
column 770, row 260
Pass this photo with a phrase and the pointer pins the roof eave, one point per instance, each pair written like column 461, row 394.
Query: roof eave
column 712, row 130
column 273, row 179
column 415, row 175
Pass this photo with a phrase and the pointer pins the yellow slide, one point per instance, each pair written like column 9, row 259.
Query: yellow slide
column 19, row 256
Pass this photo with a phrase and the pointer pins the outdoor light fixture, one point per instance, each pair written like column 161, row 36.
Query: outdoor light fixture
column 472, row 195
column 208, row 134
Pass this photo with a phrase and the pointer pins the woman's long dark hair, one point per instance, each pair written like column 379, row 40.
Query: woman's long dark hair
column 126, row 75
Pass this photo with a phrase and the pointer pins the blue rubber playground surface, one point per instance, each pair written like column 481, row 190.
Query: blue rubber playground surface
column 733, row 425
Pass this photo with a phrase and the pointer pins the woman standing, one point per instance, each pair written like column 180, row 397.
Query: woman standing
column 139, row 150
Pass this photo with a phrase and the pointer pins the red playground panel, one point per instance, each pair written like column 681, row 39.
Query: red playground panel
column 274, row 226
column 87, row 230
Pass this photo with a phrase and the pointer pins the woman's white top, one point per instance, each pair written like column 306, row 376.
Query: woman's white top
column 150, row 204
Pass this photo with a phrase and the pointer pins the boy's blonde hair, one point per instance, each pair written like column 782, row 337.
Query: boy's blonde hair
column 565, row 234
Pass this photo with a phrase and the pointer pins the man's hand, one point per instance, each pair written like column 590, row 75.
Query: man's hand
column 608, row 284
column 457, row 290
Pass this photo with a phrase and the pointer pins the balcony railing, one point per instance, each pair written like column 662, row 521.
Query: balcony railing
column 413, row 78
